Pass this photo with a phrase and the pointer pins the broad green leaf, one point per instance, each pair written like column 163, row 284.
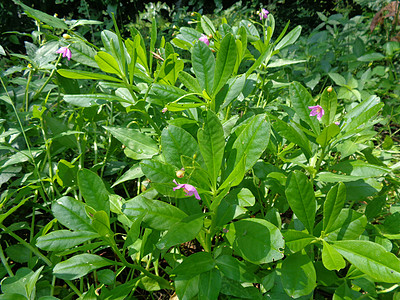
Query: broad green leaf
column 251, row 142
column 174, row 106
column 157, row 214
column 235, row 87
column 135, row 140
column 209, row 285
column 226, row 58
column 236, row 176
column 333, row 205
column 343, row 292
column 83, row 54
column 349, row 224
column 284, row 62
column 234, row 269
column 290, row 38
column 79, row 74
column 101, row 223
column 327, row 134
column 43, row 17
column 338, row 79
column 293, row 134
column 170, row 70
column 207, row 26
column 301, row 100
column 112, row 44
column 161, row 176
column 177, row 142
column 80, row 265
column 120, row 292
column 331, row 259
column 371, row 258
column 371, row 57
column 298, row 275
column 166, row 93
column 183, row 231
column 211, row 143
column 186, row 288
column 89, row 100
column 107, row 63
column 203, row 63
column 256, row 240
column 133, row 173
column 93, row 190
column 190, row 82
column 61, row 240
column 329, row 105
column 236, row 290
column 334, row 177
column 195, row 264
column 300, row 195
column 360, row 169
column 297, row 240
column 71, row 213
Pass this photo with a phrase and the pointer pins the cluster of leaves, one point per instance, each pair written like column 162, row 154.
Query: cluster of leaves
column 109, row 147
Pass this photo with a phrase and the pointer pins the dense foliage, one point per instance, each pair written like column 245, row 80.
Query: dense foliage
column 220, row 159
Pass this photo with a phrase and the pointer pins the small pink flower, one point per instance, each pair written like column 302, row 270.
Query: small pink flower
column 317, row 111
column 65, row 52
column 337, row 123
column 263, row 14
column 204, row 39
column 189, row 189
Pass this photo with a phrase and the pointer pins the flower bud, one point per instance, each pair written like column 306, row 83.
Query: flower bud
column 180, row 173
column 164, row 110
column 193, row 14
column 329, row 89
column 210, row 36
column 66, row 36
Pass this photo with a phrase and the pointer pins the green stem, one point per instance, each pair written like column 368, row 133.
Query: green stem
column 37, row 94
column 73, row 287
column 5, row 263
column 27, row 245
column 27, row 91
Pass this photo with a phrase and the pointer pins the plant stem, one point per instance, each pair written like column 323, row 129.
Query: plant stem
column 5, row 263
column 27, row 91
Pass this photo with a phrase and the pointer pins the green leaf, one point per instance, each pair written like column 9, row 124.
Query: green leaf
column 61, row 240
column 327, row 134
column 226, row 59
column 338, row 79
column 107, row 63
column 301, row 100
column 209, row 285
column 212, row 143
column 360, row 169
column 234, row 269
column 300, row 195
column 293, row 134
column 195, row 264
column 101, row 223
column 157, row 214
column 177, row 142
column 297, row 240
column 207, row 26
column 93, row 190
column 170, row 70
column 334, row 177
column 333, row 205
column 331, row 259
column 203, row 63
column 256, row 240
column 89, row 100
column 135, row 140
column 349, row 224
column 284, row 62
column 190, row 82
column 290, row 38
column 187, row 288
column 236, row 176
column 183, row 231
column 329, row 105
column 79, row 74
column 43, row 17
column 161, row 176
column 298, row 275
column 251, row 142
column 71, row 213
column 80, row 265
column 371, row 57
column 371, row 258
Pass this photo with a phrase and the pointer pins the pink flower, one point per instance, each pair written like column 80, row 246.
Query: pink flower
column 263, row 14
column 189, row 189
column 337, row 123
column 317, row 111
column 204, row 39
column 65, row 52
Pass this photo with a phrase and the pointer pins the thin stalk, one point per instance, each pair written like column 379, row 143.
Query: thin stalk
column 27, row 245
column 37, row 94
column 27, row 91
column 5, row 263
column 73, row 287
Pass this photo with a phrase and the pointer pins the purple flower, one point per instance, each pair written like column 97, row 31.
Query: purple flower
column 317, row 111
column 263, row 14
column 204, row 39
column 65, row 52
column 337, row 123
column 189, row 189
